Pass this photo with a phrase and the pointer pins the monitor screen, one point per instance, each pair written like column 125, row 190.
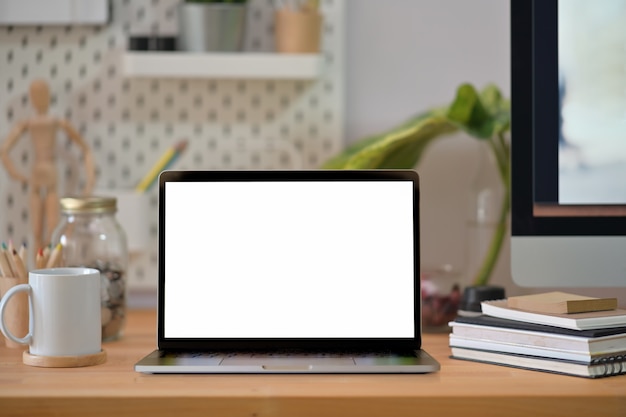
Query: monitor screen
column 568, row 174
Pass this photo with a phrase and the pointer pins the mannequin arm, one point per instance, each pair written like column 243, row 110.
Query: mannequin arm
column 8, row 144
column 90, row 169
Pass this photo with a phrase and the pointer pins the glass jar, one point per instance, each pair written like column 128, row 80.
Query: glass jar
column 90, row 236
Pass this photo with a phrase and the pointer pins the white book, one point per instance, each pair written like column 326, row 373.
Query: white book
column 576, row 321
column 542, row 351
column 590, row 346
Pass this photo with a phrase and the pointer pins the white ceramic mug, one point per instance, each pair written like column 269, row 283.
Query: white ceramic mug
column 64, row 312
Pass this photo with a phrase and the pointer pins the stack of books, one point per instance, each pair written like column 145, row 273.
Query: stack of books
column 552, row 332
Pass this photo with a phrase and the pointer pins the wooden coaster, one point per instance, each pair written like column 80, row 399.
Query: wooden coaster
column 64, row 361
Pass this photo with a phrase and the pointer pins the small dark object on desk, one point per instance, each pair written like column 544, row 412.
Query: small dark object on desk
column 474, row 295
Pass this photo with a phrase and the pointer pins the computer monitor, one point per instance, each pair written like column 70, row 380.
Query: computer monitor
column 568, row 137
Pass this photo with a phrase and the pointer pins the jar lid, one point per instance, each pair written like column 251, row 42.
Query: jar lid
column 88, row 204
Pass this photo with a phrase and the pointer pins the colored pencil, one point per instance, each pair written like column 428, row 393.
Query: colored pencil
column 54, row 256
column 20, row 267
column 10, row 260
column 46, row 251
column 5, row 267
column 22, row 252
column 40, row 260
column 162, row 164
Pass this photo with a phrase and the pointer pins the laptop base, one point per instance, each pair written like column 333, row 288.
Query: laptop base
column 296, row 363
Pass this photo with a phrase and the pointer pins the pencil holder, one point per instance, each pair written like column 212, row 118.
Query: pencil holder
column 16, row 311
column 297, row 31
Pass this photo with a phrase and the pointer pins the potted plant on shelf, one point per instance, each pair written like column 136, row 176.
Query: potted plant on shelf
column 211, row 25
column 485, row 116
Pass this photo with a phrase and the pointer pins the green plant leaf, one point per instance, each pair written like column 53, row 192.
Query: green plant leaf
column 339, row 161
column 402, row 148
column 481, row 115
column 484, row 115
column 492, row 98
column 498, row 107
column 469, row 114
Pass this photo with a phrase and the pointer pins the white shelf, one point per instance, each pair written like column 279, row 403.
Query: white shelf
column 221, row 65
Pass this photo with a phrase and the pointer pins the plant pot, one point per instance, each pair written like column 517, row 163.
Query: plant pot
column 297, row 31
column 211, row 27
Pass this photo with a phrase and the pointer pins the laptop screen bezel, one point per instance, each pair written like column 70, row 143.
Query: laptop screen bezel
column 409, row 343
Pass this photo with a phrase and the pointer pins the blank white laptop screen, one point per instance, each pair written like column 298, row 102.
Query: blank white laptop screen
column 289, row 259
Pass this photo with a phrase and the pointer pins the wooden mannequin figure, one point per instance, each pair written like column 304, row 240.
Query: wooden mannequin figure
column 43, row 181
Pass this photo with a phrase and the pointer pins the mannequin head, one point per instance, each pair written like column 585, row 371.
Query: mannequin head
column 40, row 96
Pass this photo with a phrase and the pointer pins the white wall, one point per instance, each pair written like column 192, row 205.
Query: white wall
column 405, row 56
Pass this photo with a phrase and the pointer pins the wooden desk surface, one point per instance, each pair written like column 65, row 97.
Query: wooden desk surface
column 462, row 388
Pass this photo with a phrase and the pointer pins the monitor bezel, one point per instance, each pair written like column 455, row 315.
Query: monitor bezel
column 534, row 70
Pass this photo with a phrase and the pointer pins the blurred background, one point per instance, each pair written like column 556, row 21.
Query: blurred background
column 379, row 64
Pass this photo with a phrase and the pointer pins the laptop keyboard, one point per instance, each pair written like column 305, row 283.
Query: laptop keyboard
column 284, row 354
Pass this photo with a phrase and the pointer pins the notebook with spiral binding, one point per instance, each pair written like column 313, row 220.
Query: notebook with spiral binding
column 597, row 368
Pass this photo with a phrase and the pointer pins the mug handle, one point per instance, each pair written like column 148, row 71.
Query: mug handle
column 3, row 303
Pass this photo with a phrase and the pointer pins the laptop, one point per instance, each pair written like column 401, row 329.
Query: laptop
column 288, row 272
